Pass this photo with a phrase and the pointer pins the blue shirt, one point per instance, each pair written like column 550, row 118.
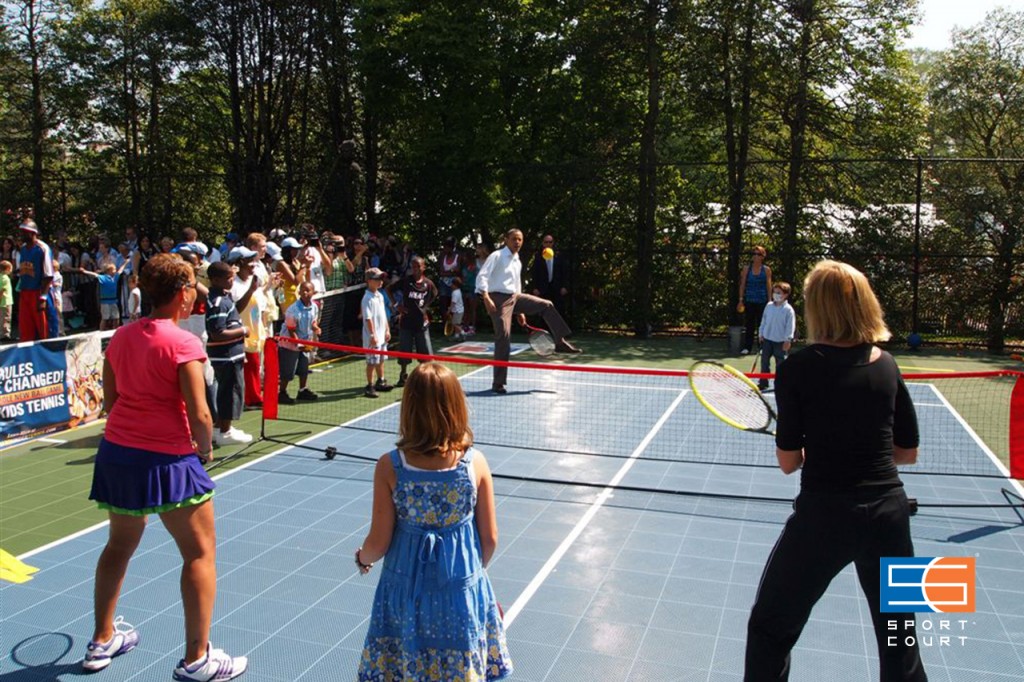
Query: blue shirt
column 778, row 324
column 221, row 315
column 756, row 289
column 36, row 263
column 108, row 288
column 299, row 318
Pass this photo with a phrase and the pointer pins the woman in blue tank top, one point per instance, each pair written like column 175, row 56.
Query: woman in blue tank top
column 755, row 292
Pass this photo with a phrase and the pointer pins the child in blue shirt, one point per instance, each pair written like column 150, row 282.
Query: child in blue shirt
column 109, row 313
column 301, row 322
column 778, row 327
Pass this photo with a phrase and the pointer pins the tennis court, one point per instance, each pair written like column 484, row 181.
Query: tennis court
column 622, row 579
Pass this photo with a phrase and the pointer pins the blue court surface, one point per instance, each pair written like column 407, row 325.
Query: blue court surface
column 598, row 584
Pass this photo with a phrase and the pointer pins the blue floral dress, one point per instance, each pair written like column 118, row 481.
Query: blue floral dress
column 434, row 614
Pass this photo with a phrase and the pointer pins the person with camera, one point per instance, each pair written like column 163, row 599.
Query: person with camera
column 341, row 264
column 320, row 264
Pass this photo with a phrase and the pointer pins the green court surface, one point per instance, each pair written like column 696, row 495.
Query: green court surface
column 44, row 484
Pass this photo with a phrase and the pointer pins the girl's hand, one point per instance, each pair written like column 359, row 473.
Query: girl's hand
column 363, row 568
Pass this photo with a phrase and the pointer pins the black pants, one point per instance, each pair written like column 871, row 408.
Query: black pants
column 825, row 533
column 752, row 318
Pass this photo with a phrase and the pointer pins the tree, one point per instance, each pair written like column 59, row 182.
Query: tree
column 977, row 93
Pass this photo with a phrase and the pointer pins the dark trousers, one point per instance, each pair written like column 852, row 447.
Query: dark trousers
column 229, row 381
column 825, row 533
column 408, row 339
column 752, row 319
column 507, row 305
column 769, row 350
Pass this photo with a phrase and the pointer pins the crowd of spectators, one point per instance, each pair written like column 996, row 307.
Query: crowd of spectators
column 95, row 281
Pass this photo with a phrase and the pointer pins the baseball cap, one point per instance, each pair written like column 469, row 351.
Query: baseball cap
column 240, row 253
column 375, row 273
column 29, row 226
column 290, row 242
column 231, row 237
column 274, row 251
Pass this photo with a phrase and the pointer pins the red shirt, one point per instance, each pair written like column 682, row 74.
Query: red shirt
column 150, row 410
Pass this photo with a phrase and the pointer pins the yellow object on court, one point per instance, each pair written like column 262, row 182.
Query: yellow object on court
column 13, row 569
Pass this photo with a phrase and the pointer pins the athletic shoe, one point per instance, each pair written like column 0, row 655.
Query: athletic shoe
column 98, row 656
column 401, row 380
column 232, row 436
column 285, row 399
column 745, row 351
column 369, row 392
column 566, row 347
column 500, row 390
column 215, row 666
column 306, row 394
column 382, row 385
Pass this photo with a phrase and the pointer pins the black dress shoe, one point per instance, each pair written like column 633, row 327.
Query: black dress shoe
column 500, row 390
column 566, row 347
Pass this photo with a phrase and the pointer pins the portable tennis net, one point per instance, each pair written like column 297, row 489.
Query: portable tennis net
column 571, row 424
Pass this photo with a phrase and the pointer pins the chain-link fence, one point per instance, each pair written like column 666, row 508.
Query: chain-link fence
column 942, row 240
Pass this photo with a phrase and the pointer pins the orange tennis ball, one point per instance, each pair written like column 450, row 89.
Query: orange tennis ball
column 547, row 253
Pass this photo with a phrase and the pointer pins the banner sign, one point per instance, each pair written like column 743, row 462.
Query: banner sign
column 50, row 385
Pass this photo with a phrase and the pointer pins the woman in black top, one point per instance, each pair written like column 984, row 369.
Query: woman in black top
column 846, row 420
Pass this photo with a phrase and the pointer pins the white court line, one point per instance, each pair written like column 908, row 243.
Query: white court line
column 240, row 467
column 606, row 493
column 57, row 441
column 981, row 444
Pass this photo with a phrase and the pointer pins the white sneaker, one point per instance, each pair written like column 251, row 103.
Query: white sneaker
column 231, row 437
column 744, row 352
column 216, row 666
column 98, row 655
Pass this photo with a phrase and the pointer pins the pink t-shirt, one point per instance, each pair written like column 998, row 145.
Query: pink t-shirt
column 150, row 411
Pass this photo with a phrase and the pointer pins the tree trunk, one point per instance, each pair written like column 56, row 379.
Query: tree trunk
column 648, row 174
column 797, row 122
column 38, row 117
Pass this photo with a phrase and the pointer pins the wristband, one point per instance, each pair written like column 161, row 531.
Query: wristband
column 359, row 562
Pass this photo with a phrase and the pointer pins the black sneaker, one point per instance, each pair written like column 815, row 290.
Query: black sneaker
column 500, row 390
column 566, row 347
column 285, row 399
column 401, row 380
column 306, row 394
column 369, row 392
column 382, row 385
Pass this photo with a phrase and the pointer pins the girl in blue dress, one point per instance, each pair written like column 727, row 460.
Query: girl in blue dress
column 434, row 614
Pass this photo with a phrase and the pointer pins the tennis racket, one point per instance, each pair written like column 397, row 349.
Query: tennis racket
column 732, row 397
column 540, row 340
column 757, row 356
column 449, row 327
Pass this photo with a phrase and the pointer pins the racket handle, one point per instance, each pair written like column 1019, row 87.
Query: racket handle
column 913, row 505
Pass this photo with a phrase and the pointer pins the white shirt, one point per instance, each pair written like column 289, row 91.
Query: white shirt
column 316, row 271
column 500, row 273
column 457, row 304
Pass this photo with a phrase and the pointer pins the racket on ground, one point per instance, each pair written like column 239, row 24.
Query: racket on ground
column 541, row 340
column 732, row 397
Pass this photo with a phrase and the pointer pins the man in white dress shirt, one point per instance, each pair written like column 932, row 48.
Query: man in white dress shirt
column 499, row 284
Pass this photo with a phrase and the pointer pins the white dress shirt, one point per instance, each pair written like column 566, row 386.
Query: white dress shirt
column 500, row 273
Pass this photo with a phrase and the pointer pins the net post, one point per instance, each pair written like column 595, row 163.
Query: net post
column 271, row 381
column 1017, row 429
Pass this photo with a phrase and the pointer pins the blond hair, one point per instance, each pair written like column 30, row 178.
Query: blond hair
column 840, row 306
column 434, row 418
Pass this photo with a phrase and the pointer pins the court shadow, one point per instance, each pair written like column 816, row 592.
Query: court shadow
column 78, row 462
column 978, row 533
column 39, row 657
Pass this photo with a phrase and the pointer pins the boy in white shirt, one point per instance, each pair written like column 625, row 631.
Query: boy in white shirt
column 376, row 331
column 456, row 309
column 778, row 327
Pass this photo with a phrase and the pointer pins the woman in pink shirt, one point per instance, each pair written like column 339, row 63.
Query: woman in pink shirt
column 158, row 433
